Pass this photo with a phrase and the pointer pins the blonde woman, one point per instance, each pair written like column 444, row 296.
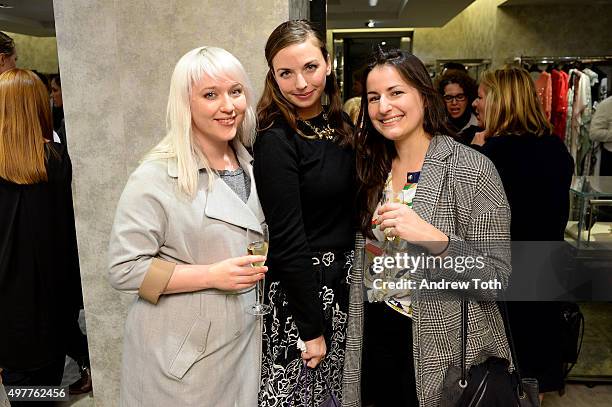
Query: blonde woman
column 179, row 242
column 536, row 170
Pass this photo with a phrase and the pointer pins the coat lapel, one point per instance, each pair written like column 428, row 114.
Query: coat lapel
column 223, row 204
column 432, row 178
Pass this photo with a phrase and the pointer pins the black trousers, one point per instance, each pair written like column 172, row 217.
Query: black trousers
column 387, row 374
column 605, row 168
column 76, row 345
column 49, row 375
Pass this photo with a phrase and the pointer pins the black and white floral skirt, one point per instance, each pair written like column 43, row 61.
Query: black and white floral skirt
column 281, row 384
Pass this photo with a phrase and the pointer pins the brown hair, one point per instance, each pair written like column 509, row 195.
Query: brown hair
column 273, row 105
column 374, row 153
column 7, row 45
column 25, row 123
column 461, row 78
column 512, row 105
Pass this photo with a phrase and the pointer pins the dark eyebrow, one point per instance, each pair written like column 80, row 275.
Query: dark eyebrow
column 314, row 61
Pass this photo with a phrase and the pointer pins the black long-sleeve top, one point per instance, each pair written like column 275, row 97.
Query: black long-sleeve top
column 536, row 173
column 40, row 284
column 306, row 189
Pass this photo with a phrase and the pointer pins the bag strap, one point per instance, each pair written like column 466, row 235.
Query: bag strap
column 517, row 369
column 299, row 381
column 464, row 329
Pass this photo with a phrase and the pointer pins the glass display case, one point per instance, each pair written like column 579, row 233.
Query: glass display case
column 590, row 225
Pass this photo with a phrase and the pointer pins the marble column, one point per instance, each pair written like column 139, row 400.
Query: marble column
column 116, row 59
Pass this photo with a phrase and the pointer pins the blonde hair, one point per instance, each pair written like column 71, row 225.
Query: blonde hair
column 25, row 123
column 179, row 142
column 512, row 105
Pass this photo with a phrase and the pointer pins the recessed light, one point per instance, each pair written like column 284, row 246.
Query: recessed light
column 370, row 23
column 373, row 3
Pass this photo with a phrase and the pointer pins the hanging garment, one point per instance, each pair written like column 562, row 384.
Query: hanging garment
column 560, row 85
column 594, row 77
column 544, row 88
column 580, row 119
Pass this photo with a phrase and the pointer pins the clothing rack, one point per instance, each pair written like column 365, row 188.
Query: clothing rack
column 551, row 60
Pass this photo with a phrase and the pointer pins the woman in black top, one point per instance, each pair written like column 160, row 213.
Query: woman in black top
column 304, row 173
column 536, row 170
column 40, row 286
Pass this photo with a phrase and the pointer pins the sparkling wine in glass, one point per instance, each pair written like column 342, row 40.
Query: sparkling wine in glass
column 257, row 244
column 389, row 196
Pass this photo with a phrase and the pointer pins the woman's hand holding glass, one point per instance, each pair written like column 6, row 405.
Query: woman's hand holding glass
column 236, row 273
column 396, row 219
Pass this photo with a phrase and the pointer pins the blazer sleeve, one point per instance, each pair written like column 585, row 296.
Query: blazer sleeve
column 277, row 176
column 138, row 233
column 487, row 234
column 601, row 124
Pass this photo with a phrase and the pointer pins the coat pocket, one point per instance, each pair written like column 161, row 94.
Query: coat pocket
column 192, row 348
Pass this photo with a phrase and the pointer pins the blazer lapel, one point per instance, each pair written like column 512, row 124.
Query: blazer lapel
column 432, row 178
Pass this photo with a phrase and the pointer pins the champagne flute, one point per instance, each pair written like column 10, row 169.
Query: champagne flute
column 388, row 196
column 257, row 244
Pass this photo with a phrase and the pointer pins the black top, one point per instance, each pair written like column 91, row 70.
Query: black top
column 537, row 174
column 40, row 285
column 306, row 189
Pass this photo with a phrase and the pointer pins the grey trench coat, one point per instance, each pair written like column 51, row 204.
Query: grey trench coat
column 190, row 349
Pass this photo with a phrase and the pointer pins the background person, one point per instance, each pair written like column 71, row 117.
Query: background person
column 450, row 192
column 40, row 284
column 179, row 241
column 8, row 54
column 531, row 162
column 459, row 90
column 601, row 130
column 304, row 170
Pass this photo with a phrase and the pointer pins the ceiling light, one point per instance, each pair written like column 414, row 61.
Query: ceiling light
column 373, row 3
column 383, row 43
column 370, row 23
column 4, row 5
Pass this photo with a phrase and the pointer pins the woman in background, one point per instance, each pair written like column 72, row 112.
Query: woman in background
column 458, row 90
column 40, row 284
column 179, row 242
column 536, row 170
column 8, row 55
column 304, row 170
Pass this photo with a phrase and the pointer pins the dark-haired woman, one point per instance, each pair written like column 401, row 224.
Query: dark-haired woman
column 304, row 173
column 451, row 194
column 8, row 55
column 458, row 91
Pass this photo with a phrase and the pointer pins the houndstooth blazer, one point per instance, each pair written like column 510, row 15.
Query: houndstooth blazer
column 460, row 193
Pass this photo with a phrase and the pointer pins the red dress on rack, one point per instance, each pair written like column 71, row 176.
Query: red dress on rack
column 560, row 84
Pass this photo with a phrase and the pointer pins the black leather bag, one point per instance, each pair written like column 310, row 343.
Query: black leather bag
column 572, row 334
column 489, row 383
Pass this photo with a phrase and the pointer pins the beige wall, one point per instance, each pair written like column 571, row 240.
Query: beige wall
column 116, row 60
column 35, row 53
column 485, row 31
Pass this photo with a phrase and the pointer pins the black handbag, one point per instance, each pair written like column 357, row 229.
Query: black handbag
column 572, row 334
column 489, row 383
